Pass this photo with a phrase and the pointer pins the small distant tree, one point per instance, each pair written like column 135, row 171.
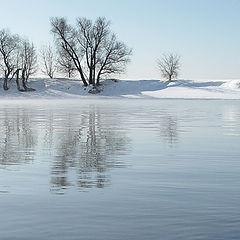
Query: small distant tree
column 49, row 60
column 169, row 65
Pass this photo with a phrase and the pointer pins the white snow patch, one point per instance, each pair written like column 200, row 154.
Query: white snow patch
column 233, row 84
column 73, row 88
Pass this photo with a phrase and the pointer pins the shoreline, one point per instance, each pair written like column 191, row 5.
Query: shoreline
column 126, row 89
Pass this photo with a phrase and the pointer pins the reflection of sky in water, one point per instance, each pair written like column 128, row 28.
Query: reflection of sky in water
column 92, row 168
column 81, row 143
column 231, row 117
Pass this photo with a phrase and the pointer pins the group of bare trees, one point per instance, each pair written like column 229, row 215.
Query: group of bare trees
column 89, row 48
column 17, row 55
column 56, row 61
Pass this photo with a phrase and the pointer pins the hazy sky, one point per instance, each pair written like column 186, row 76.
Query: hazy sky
column 206, row 33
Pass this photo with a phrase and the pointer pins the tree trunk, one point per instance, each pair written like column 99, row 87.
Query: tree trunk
column 98, row 80
column 24, row 80
column 83, row 78
column 76, row 61
column 17, row 80
column 90, row 75
column 94, row 77
column 5, row 87
column 98, row 77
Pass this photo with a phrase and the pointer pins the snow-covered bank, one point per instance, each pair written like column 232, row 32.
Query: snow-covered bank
column 185, row 89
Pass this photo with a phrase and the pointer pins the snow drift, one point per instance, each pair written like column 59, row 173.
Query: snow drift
column 73, row 88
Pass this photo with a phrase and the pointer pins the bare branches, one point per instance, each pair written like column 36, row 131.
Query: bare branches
column 113, row 58
column 9, row 50
column 65, row 64
column 28, row 59
column 169, row 65
column 66, row 40
column 17, row 54
column 91, row 46
column 49, row 60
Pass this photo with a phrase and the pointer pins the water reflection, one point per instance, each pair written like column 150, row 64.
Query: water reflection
column 191, row 192
column 169, row 129
column 88, row 146
column 81, row 143
column 231, row 116
column 17, row 138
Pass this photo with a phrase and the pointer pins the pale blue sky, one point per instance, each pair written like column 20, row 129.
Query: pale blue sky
column 206, row 33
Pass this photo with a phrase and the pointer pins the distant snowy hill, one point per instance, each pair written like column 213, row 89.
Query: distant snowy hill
column 73, row 88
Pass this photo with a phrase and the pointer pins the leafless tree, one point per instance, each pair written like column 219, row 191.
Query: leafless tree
column 65, row 64
column 103, row 53
column 17, row 55
column 91, row 37
column 9, row 50
column 91, row 46
column 28, row 59
column 49, row 60
column 169, row 65
column 65, row 36
column 113, row 58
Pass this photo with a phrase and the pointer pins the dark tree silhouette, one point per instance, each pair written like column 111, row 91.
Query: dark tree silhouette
column 91, row 46
column 28, row 59
column 169, row 65
column 65, row 64
column 9, row 50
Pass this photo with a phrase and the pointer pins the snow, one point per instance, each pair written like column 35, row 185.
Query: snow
column 73, row 88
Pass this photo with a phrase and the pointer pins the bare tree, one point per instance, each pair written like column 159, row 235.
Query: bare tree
column 9, row 49
column 28, row 59
column 16, row 55
column 91, row 37
column 65, row 37
column 113, row 58
column 169, row 65
column 92, row 46
column 49, row 60
column 65, row 64
column 103, row 53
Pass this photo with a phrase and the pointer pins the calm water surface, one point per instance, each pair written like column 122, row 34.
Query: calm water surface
column 119, row 169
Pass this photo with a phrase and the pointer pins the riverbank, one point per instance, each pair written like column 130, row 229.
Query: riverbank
column 182, row 89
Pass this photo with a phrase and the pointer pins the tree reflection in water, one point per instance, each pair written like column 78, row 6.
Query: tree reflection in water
column 81, row 143
column 90, row 143
column 17, row 138
column 169, row 129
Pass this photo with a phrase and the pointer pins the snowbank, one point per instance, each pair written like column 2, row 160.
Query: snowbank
column 72, row 88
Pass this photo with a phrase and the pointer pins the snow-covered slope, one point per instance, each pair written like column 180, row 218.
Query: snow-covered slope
column 187, row 89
